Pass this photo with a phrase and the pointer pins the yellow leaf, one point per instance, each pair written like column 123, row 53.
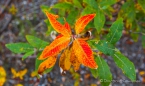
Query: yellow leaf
column 93, row 84
column 64, row 61
column 142, row 73
column 74, row 60
column 2, row 76
column 2, row 81
column 128, row 24
column 34, row 73
column 18, row 85
column 18, row 74
column 2, row 72
column 13, row 10
column 22, row 73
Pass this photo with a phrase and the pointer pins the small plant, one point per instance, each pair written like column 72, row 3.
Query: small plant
column 75, row 44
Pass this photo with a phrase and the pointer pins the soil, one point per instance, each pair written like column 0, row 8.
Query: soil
column 29, row 19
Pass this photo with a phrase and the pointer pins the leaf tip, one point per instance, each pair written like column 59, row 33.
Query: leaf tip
column 94, row 14
column 7, row 45
column 40, row 75
column 41, row 57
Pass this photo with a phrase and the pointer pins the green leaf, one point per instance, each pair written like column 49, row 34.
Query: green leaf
column 91, row 43
column 50, row 28
column 36, row 42
column 99, row 20
column 77, row 3
column 104, row 4
column 125, row 65
column 63, row 5
column 94, row 72
column 38, row 62
column 128, row 11
column 105, row 47
column 19, row 47
column 45, row 8
column 142, row 4
column 103, row 71
column 91, row 3
column 115, row 31
column 87, row 10
column 61, row 20
column 48, row 70
column 135, row 29
column 108, row 12
column 143, row 41
column 62, row 13
column 27, row 54
column 72, row 16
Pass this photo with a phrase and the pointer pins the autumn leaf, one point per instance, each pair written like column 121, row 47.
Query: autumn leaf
column 18, row 85
column 75, row 50
column 59, row 36
column 64, row 61
column 2, row 76
column 84, row 53
column 18, row 74
column 67, row 26
column 55, row 47
column 82, row 22
column 48, row 63
column 34, row 73
column 74, row 60
column 58, row 26
column 13, row 10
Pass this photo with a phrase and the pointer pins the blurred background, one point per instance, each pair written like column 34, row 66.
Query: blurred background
column 22, row 17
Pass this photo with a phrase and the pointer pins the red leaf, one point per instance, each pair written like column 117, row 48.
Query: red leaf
column 58, row 26
column 67, row 26
column 82, row 22
column 84, row 53
column 59, row 36
column 55, row 47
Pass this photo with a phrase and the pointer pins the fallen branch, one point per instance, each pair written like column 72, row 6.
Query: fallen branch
column 7, row 3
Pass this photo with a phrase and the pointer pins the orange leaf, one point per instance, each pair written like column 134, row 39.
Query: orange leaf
column 74, row 60
column 84, row 53
column 55, row 47
column 64, row 61
column 58, row 26
column 82, row 22
column 48, row 63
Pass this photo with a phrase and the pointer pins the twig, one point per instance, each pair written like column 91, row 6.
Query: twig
column 6, row 24
column 9, row 19
column 7, row 3
column 19, row 56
